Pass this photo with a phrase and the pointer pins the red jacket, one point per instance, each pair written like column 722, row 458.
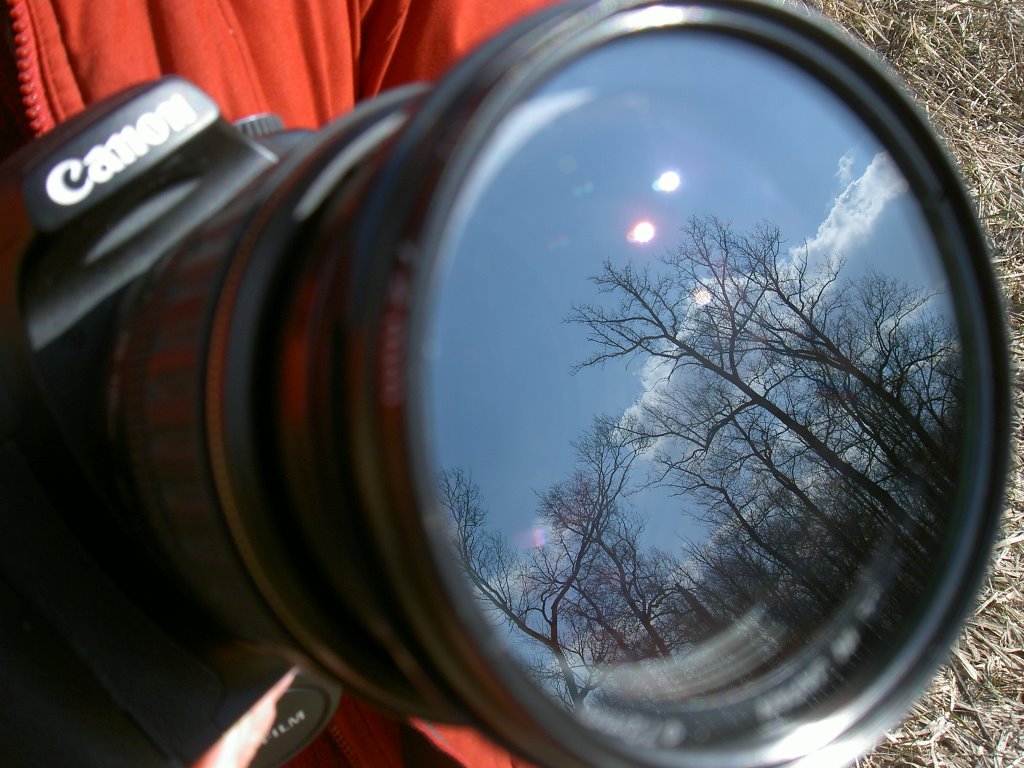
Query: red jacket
column 306, row 60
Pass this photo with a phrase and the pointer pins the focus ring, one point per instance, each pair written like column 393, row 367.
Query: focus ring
column 160, row 372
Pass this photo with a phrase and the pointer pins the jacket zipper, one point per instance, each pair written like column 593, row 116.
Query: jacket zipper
column 342, row 744
column 30, row 80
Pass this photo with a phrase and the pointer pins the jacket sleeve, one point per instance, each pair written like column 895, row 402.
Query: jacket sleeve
column 360, row 736
column 411, row 40
column 307, row 60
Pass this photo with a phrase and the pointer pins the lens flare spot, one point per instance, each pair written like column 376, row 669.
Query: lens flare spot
column 559, row 242
column 702, row 297
column 669, row 181
column 532, row 538
column 641, row 232
column 584, row 189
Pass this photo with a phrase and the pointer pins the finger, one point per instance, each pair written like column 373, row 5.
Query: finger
column 239, row 745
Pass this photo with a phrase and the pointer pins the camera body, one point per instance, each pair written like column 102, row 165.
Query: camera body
column 93, row 608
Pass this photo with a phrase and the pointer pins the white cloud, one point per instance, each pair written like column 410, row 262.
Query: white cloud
column 857, row 208
column 844, row 171
column 653, row 375
column 850, row 221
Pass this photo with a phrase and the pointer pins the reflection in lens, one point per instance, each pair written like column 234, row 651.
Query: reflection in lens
column 642, row 232
column 669, row 181
column 673, row 471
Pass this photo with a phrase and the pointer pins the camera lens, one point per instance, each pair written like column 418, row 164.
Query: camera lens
column 693, row 383
column 694, row 408
column 637, row 393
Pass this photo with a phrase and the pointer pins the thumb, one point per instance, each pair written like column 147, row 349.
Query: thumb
column 239, row 745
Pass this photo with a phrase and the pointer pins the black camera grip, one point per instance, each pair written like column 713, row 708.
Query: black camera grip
column 139, row 700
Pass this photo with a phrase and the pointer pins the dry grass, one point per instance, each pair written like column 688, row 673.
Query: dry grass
column 963, row 61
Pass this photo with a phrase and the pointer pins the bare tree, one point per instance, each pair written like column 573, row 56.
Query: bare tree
column 807, row 412
column 806, row 419
column 592, row 596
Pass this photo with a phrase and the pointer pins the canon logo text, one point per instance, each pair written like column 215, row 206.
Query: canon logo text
column 72, row 180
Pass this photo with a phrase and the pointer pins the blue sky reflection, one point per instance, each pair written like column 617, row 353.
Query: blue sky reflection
column 608, row 163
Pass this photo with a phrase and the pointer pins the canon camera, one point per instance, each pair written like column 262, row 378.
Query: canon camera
column 636, row 394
